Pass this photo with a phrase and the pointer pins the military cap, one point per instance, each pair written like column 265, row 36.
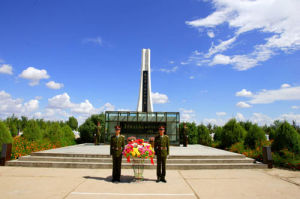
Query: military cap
column 161, row 128
column 117, row 127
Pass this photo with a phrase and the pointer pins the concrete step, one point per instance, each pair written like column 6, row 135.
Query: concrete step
column 109, row 160
column 129, row 165
column 235, row 156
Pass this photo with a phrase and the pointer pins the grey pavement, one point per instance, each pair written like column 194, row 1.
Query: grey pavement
column 23, row 182
column 89, row 148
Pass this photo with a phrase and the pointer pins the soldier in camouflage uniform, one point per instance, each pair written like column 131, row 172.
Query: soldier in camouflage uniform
column 117, row 144
column 161, row 147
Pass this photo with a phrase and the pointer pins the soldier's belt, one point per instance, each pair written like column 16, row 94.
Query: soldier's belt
column 117, row 148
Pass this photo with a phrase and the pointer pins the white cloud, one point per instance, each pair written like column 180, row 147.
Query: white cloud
column 285, row 86
column 220, row 113
column 63, row 103
column 295, row 107
column 243, row 105
column 280, row 19
column 187, row 115
column 6, row 69
column 183, row 63
column 9, row 105
column 214, row 121
column 171, row 62
column 290, row 117
column 172, row 70
column 31, row 105
column 192, row 77
column 240, row 117
column 96, row 40
column 34, row 75
column 220, row 59
column 270, row 96
column 159, row 98
column 60, row 101
column 243, row 93
column 83, row 108
column 211, row 34
column 54, row 85
column 222, row 46
column 261, row 119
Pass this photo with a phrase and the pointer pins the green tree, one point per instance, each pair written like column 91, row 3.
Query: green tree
column 86, row 131
column 54, row 133
column 218, row 133
column 232, row 133
column 204, row 135
column 73, row 123
column 32, row 131
column 246, row 125
column 24, row 121
column 192, row 132
column 89, row 128
column 287, row 137
column 68, row 136
column 13, row 130
column 5, row 136
column 254, row 137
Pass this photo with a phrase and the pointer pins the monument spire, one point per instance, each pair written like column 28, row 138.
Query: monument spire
column 145, row 99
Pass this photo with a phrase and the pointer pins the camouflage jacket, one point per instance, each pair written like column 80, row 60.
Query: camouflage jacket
column 117, row 145
column 161, row 145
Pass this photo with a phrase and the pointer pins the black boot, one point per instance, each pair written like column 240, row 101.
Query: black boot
column 158, row 179
column 163, row 180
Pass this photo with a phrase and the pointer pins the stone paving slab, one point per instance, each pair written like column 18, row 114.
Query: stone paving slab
column 22, row 182
column 89, row 148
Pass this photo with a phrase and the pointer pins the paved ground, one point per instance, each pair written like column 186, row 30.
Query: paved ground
column 104, row 149
column 22, row 182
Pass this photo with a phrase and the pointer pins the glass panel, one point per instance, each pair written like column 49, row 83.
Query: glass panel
column 132, row 117
column 171, row 117
column 123, row 117
column 161, row 117
column 142, row 117
column 151, row 117
column 113, row 117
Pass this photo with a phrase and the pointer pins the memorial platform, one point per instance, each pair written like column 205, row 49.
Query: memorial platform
column 97, row 157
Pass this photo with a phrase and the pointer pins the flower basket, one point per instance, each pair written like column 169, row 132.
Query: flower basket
column 138, row 168
column 138, row 150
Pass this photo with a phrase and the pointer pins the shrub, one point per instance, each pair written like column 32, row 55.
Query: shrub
column 32, row 131
column 203, row 135
column 286, row 137
column 232, row 133
column 5, row 136
column 254, row 137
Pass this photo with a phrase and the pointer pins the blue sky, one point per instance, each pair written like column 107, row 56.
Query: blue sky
column 210, row 60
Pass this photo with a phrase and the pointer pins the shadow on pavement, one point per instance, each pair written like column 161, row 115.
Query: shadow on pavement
column 124, row 179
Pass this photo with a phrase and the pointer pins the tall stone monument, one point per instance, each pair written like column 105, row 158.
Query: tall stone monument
column 145, row 99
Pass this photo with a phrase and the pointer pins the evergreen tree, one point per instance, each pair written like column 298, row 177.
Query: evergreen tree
column 232, row 133
column 254, row 137
column 5, row 136
column 204, row 135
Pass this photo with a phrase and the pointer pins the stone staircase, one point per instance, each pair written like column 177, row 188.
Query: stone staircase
column 98, row 161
